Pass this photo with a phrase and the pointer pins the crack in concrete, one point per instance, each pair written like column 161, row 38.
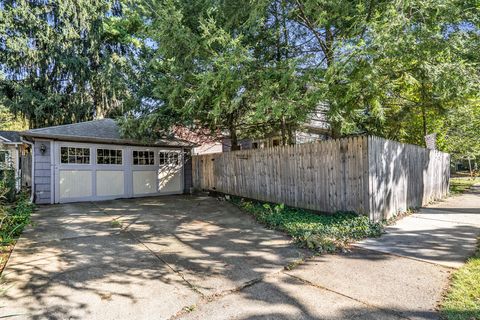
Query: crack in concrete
column 348, row 297
column 207, row 299
column 360, row 247
column 217, row 296
column 450, row 221
column 158, row 257
column 70, row 238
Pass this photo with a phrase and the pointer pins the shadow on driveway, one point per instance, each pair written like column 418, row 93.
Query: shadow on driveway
column 136, row 259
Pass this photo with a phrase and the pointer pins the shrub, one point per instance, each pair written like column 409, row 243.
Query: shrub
column 7, row 185
column 323, row 233
column 14, row 211
column 14, row 218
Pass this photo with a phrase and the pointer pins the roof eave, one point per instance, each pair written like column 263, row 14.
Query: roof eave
column 105, row 140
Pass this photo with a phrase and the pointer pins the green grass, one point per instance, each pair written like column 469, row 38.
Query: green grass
column 322, row 233
column 460, row 185
column 462, row 300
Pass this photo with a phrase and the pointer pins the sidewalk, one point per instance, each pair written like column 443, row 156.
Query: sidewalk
column 444, row 233
column 400, row 275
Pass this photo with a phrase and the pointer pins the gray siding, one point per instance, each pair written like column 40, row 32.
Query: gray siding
column 244, row 144
column 43, row 186
column 187, row 172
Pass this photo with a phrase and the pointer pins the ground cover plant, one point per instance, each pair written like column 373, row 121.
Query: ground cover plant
column 319, row 232
column 462, row 300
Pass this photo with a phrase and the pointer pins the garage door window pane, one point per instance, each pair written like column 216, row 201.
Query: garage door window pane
column 169, row 158
column 109, row 156
column 162, row 158
column 72, row 155
column 143, row 158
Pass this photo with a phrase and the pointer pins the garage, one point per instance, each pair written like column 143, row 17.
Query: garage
column 90, row 161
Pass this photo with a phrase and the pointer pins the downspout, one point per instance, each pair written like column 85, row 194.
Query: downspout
column 32, row 150
column 18, row 174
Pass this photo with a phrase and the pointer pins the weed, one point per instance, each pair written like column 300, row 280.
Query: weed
column 292, row 265
column 115, row 224
column 190, row 308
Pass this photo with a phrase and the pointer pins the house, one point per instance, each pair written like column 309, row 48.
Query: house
column 11, row 151
column 205, row 140
column 91, row 161
column 315, row 128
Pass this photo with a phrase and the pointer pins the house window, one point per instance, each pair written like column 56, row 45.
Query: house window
column 73, row 155
column 143, row 158
column 169, row 158
column 109, row 156
column 5, row 159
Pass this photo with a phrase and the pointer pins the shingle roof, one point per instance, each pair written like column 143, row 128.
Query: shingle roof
column 104, row 128
column 11, row 136
column 103, row 131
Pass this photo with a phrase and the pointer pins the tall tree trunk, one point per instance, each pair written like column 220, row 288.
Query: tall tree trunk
column 233, row 134
column 277, row 35
column 329, row 39
column 234, row 140
column 424, row 123
column 285, row 28
column 283, row 130
column 423, row 102
column 290, row 133
column 335, row 129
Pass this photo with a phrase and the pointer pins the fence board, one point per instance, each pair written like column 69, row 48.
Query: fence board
column 368, row 175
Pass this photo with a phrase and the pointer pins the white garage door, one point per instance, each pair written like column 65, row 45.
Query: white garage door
column 90, row 172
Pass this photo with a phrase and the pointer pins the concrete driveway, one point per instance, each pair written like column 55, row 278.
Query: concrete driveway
column 145, row 258
column 191, row 257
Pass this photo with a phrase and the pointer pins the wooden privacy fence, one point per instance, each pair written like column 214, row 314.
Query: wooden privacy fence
column 365, row 174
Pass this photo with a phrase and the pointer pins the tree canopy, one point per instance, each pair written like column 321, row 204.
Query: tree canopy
column 65, row 61
column 8, row 121
column 399, row 69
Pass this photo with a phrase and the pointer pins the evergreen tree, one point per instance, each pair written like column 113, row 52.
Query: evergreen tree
column 223, row 66
column 65, row 61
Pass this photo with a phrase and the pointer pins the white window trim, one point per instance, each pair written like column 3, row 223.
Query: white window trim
column 127, row 167
column 109, row 164
column 143, row 150
column 75, row 163
column 169, row 153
